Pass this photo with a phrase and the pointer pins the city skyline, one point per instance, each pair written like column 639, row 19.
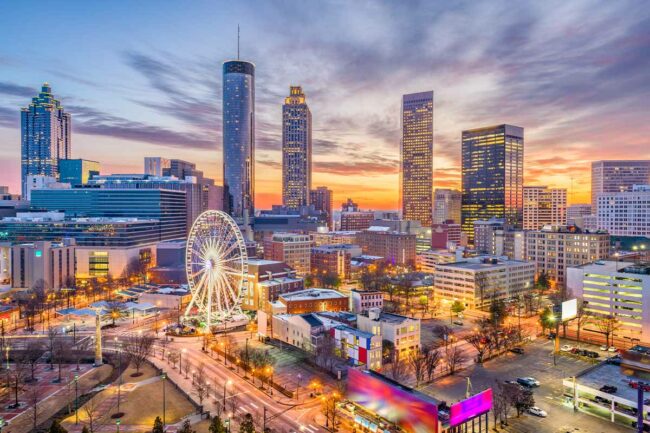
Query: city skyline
column 556, row 76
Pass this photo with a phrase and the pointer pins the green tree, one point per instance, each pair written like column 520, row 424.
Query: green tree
column 247, row 425
column 457, row 307
column 547, row 319
column 309, row 281
column 542, row 282
column 216, row 425
column 330, row 281
column 186, row 427
column 56, row 427
column 157, row 426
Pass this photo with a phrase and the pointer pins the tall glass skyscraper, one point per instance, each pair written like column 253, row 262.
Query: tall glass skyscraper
column 493, row 175
column 416, row 171
column 296, row 150
column 239, row 138
column 45, row 136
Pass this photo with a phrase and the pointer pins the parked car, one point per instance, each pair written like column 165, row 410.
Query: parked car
column 530, row 382
column 611, row 349
column 600, row 399
column 566, row 348
column 603, row 348
column 614, row 360
column 609, row 389
column 458, row 322
column 517, row 350
column 537, row 412
column 646, row 427
column 592, row 354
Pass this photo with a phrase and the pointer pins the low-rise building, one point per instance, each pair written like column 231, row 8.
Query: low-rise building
column 358, row 347
column 361, row 301
column 479, row 281
column 266, row 281
column 334, row 238
column 625, row 213
column 445, row 235
column 396, row 248
column 313, row 300
column 168, row 297
column 402, row 331
column 46, row 264
column 333, row 260
column 484, row 234
column 426, row 261
column 291, row 248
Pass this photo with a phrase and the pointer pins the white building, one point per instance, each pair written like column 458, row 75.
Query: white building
column 478, row 281
column 575, row 213
column 619, row 289
column 544, row 206
column 426, row 261
column 625, row 213
column 49, row 263
column 402, row 331
column 361, row 301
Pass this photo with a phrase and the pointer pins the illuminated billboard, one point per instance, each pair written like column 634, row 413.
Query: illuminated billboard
column 411, row 411
column 569, row 309
column 472, row 407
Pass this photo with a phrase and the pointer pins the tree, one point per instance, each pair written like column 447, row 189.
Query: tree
column 330, row 408
column 60, row 354
column 34, row 394
column 325, row 354
column 479, row 341
column 309, row 281
column 85, row 430
column 398, row 368
column 608, row 325
column 173, row 357
column 432, row 358
column 418, row 363
column 157, row 426
column 547, row 319
column 115, row 310
column 186, row 427
column 135, row 269
column 91, row 409
column 138, row 349
column 216, row 425
column 443, row 332
column 56, row 427
column 247, row 425
column 32, row 353
column 457, row 307
column 497, row 312
column 330, row 281
column 454, row 357
column 52, row 335
column 16, row 379
column 583, row 317
column 525, row 400
column 201, row 387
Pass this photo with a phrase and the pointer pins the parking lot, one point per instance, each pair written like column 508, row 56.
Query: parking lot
column 537, row 361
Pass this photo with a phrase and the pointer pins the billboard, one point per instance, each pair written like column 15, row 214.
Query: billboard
column 467, row 409
column 412, row 411
column 569, row 309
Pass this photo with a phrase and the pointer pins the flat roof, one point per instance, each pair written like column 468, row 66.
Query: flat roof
column 610, row 374
column 312, row 294
column 477, row 266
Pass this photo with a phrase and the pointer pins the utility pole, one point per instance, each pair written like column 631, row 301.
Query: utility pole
column 264, row 421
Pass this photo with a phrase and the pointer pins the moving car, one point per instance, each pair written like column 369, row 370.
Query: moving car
column 566, row 348
column 537, row 412
column 530, row 382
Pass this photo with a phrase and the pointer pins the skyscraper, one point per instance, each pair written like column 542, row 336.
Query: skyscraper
column 492, row 175
column 45, row 136
column 323, row 198
column 239, row 138
column 296, row 150
column 446, row 205
column 617, row 176
column 416, row 171
column 77, row 171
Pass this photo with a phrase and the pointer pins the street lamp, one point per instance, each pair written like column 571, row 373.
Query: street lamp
column 164, row 379
column 228, row 382
column 76, row 399
column 269, row 371
column 7, row 348
column 117, row 423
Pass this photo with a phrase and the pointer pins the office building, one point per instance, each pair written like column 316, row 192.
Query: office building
column 334, row 238
column 402, row 331
column 313, row 300
column 615, row 288
column 296, row 150
column 416, row 165
column 333, row 260
column 361, row 301
column 426, row 261
column 492, row 176
column 544, row 206
column 397, row 248
column 46, row 264
column 625, row 213
column 170, row 263
column 77, row 171
column 446, row 205
column 478, row 282
column 291, row 248
column 555, row 248
column 510, row 243
column 165, row 206
column 39, row 182
column 445, row 234
column 239, row 139
column 617, row 176
column 484, row 234
column 322, row 198
column 156, row 166
column 45, row 136
column 5, row 265
column 576, row 212
column 266, row 281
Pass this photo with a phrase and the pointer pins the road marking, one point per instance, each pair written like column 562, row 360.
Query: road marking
column 254, row 405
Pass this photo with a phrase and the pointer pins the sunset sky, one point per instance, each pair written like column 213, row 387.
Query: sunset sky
column 144, row 79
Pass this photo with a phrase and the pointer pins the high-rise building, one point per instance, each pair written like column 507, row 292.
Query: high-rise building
column 416, row 171
column 322, row 198
column 77, row 171
column 291, row 248
column 156, row 166
column 43, row 262
column 296, row 150
column 544, row 206
column 446, row 205
column 45, row 136
column 239, row 138
column 492, row 175
column 617, row 176
column 625, row 213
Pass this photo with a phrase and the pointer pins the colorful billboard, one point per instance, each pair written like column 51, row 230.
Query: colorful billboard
column 412, row 411
column 467, row 409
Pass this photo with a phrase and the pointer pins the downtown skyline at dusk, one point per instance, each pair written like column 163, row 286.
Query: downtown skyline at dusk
column 576, row 82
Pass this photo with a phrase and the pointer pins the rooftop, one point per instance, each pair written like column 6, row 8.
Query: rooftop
column 312, row 294
column 616, row 266
column 483, row 264
column 610, row 374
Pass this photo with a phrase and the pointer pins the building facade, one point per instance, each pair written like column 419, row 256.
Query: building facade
column 617, row 176
column 416, row 169
column 266, row 281
column 556, row 248
column 291, row 248
column 77, row 171
column 446, row 205
column 544, row 206
column 575, row 213
column 332, row 260
column 239, row 139
column 45, row 264
column 313, row 300
column 402, row 331
column 625, row 213
column 361, row 301
column 45, row 136
column 492, row 175
column 445, row 234
column 296, row 150
column 395, row 247
column 334, row 238
column 484, row 234
column 322, row 198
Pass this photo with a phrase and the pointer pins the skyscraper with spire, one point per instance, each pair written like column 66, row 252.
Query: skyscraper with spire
column 296, row 149
column 45, row 136
column 239, row 138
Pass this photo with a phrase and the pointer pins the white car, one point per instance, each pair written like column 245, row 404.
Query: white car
column 611, row 349
column 537, row 412
column 603, row 348
column 566, row 348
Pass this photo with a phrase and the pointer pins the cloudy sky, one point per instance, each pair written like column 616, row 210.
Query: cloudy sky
column 144, row 79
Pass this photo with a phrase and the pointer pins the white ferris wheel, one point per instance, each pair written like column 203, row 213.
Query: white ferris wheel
column 216, row 267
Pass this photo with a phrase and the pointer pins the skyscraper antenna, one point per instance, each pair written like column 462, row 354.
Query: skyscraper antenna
column 237, row 41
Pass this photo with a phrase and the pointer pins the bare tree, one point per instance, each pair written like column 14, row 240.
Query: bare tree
column 34, row 395
column 33, row 352
column 91, row 409
column 80, row 349
column 173, row 357
column 52, row 335
column 454, row 357
column 443, row 332
column 16, row 379
column 608, row 325
column 138, row 349
column 583, row 317
column 398, row 369
column 432, row 358
column 201, row 387
column 418, row 363
column 479, row 341
column 325, row 354
column 187, row 367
